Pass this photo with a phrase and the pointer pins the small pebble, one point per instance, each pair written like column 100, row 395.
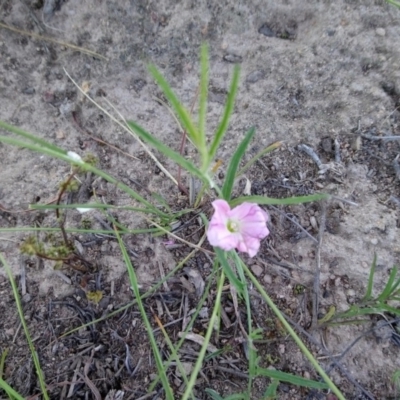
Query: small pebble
column 374, row 241
column 257, row 270
column 255, row 76
column 267, row 279
column 380, row 32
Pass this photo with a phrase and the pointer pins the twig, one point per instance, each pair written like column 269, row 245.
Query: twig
column 308, row 150
column 40, row 37
column 337, row 151
column 294, row 222
column 78, row 124
column 385, row 138
column 232, row 372
column 316, row 286
column 124, row 125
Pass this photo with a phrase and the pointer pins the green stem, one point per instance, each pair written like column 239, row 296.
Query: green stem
column 207, row 338
column 294, row 335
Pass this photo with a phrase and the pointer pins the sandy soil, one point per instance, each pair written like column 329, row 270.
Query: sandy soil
column 312, row 72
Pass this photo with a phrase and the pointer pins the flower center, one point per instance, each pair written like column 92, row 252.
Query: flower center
column 233, row 226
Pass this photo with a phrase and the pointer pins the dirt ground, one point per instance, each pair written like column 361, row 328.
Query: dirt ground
column 317, row 73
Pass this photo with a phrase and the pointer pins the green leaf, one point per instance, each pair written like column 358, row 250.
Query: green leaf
column 166, row 150
column 149, row 329
column 269, row 200
column 394, row 2
column 87, row 167
column 290, row 378
column 223, row 126
column 270, row 393
column 26, row 135
column 261, row 153
column 215, row 396
column 32, row 348
column 234, row 164
column 368, row 293
column 389, row 286
column 221, row 255
column 180, row 110
column 203, row 95
column 12, row 394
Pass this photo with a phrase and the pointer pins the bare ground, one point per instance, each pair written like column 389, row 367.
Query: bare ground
column 312, row 73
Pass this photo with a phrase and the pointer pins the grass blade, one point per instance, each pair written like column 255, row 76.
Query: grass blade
column 166, row 150
column 293, row 334
column 134, row 284
column 267, row 150
column 389, row 286
column 270, row 393
column 368, row 293
column 269, row 200
column 290, row 378
column 32, row 349
column 228, row 270
column 27, row 135
column 87, row 167
column 394, row 2
column 223, row 126
column 203, row 97
column 207, row 337
column 215, row 396
column 234, row 164
column 180, row 110
column 12, row 394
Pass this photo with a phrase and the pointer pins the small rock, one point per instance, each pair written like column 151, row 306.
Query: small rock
column 267, row 279
column 356, row 143
column 232, row 58
column 380, row 32
column 255, row 76
column 257, row 270
column 29, row 90
column 356, row 87
column 351, row 293
column 374, row 241
column 266, row 31
column 281, row 348
column 26, row 298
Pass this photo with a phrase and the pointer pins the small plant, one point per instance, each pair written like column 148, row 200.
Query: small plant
column 238, row 223
column 386, row 301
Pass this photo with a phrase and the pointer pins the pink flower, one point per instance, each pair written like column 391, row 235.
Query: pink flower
column 242, row 228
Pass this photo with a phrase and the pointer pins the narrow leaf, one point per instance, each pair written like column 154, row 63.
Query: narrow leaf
column 234, row 164
column 287, row 201
column 368, row 293
column 27, row 135
column 267, row 150
column 223, row 126
column 388, row 287
column 270, row 393
column 135, row 286
column 166, row 150
column 180, row 110
column 203, row 95
column 228, row 270
column 88, row 167
column 290, row 378
column 12, row 394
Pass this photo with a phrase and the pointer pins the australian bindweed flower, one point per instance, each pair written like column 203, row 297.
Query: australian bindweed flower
column 242, row 227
